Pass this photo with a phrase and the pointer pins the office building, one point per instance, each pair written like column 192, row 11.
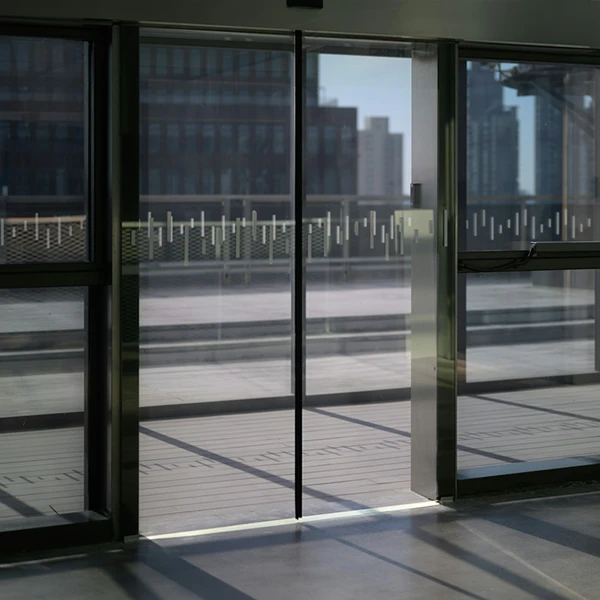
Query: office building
column 492, row 137
column 218, row 122
column 380, row 159
column 41, row 126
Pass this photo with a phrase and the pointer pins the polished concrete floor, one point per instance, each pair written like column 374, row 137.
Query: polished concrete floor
column 545, row 548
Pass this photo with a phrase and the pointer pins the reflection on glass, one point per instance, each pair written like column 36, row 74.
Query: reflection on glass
column 42, row 391
column 42, row 192
column 530, row 326
column 214, row 241
column 358, row 277
column 531, row 166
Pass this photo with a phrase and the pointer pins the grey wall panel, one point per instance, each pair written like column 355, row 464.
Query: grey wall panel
column 564, row 22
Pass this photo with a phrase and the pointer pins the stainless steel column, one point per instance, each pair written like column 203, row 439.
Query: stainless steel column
column 433, row 320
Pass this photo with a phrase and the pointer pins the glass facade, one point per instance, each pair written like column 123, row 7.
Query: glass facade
column 530, row 330
column 42, row 379
column 530, row 335
column 292, row 329
column 531, row 154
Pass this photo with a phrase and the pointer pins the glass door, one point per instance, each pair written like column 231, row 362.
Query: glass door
column 215, row 245
column 276, row 239
column 529, row 315
column 356, row 415
column 54, row 354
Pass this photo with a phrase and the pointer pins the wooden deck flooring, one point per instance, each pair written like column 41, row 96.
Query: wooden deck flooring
column 217, row 470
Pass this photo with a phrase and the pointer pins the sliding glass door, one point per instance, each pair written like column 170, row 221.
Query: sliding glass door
column 54, row 353
column 275, row 239
column 530, row 219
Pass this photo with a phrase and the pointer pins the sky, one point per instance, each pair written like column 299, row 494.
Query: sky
column 381, row 87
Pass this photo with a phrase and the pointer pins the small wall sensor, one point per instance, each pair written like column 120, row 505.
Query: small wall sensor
column 318, row 4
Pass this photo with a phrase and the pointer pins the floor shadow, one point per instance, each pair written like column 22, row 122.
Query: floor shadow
column 18, row 505
column 188, row 576
column 552, row 411
column 483, row 564
column 131, row 583
column 235, row 464
column 550, row 532
column 406, row 434
column 465, row 593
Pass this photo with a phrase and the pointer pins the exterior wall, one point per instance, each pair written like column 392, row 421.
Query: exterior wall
column 380, row 159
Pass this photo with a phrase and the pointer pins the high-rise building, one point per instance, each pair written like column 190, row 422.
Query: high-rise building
column 380, row 159
column 219, row 122
column 564, row 138
column 214, row 121
column 41, row 126
column 492, row 137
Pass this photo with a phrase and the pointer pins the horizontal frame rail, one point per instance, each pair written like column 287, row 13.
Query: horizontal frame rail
column 546, row 54
column 542, row 257
column 50, row 276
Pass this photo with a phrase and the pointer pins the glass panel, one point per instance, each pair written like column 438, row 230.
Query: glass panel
column 216, row 299
column 531, row 154
column 43, row 208
column 42, row 379
column 533, row 356
column 357, row 445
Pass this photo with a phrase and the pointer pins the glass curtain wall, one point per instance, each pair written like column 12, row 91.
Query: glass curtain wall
column 532, row 345
column 215, row 242
column 44, row 218
column 358, row 295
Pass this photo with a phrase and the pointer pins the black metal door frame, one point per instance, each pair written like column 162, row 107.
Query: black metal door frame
column 95, row 523
column 565, row 256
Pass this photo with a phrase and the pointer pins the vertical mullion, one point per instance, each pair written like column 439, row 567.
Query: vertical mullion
column 299, row 270
column 462, row 216
column 596, row 214
column 125, row 279
column 97, row 325
column 448, row 80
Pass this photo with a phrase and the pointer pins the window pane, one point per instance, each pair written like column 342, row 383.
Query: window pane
column 279, row 139
column 43, row 379
column 208, row 132
column 532, row 369
column 358, row 298
column 217, row 292
column 191, row 135
column 154, row 137
column 42, row 147
column 226, row 139
column 161, row 61
column 312, row 139
column 260, row 61
column 145, row 60
column 330, row 146
column 178, row 61
column 243, row 139
column 173, row 137
column 195, row 62
column 531, row 165
column 262, row 146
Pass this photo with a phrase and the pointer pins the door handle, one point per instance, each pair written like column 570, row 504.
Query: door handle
column 415, row 195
